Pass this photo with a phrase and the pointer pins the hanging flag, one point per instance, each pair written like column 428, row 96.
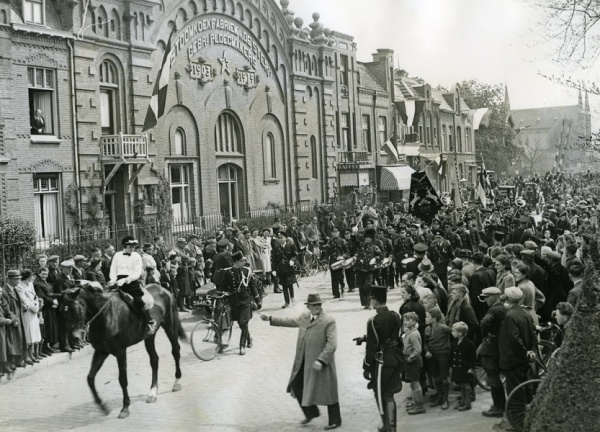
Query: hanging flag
column 481, row 194
column 442, row 169
column 390, row 149
column 159, row 95
column 479, row 117
column 506, row 105
column 410, row 107
column 424, row 201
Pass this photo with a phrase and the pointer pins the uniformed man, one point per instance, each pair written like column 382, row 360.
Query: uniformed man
column 240, row 283
column 382, row 365
column 125, row 272
column 403, row 248
column 222, row 261
column 338, row 250
column 367, row 256
column 440, row 253
column 353, row 245
column 387, row 249
column 420, row 249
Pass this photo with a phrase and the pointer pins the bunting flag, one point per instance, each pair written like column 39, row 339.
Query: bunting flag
column 424, row 201
column 479, row 117
column 159, row 95
column 390, row 148
column 410, row 110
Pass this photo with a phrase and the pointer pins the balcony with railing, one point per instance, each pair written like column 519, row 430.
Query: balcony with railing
column 353, row 158
column 124, row 148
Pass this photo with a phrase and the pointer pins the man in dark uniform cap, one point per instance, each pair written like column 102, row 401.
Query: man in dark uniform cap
column 420, row 250
column 240, row 283
column 367, row 256
column 222, row 261
column 440, row 254
column 520, row 234
column 383, row 361
column 353, row 245
column 403, row 248
column 338, row 250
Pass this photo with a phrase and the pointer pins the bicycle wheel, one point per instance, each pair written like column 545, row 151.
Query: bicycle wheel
column 518, row 402
column 481, row 376
column 205, row 340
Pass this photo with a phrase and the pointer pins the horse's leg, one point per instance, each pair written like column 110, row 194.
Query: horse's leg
column 151, row 349
column 122, row 362
column 171, row 327
column 97, row 361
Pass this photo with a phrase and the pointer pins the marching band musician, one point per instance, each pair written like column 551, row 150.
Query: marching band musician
column 353, row 246
column 240, row 282
column 387, row 249
column 338, row 250
column 440, row 253
column 403, row 247
column 367, row 256
column 383, row 361
column 420, row 250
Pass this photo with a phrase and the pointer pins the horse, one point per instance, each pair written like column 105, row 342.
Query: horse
column 114, row 326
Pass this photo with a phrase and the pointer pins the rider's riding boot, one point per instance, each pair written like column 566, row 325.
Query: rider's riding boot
column 390, row 416
column 248, row 340
column 243, row 343
column 151, row 327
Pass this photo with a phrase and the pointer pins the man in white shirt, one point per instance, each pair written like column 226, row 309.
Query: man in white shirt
column 125, row 272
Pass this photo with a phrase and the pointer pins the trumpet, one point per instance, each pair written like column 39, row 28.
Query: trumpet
column 520, row 202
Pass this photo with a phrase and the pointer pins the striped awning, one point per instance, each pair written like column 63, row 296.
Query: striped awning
column 396, row 177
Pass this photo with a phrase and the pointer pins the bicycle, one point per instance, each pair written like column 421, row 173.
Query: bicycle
column 213, row 334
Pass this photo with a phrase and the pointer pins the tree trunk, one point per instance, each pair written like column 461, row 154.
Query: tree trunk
column 567, row 400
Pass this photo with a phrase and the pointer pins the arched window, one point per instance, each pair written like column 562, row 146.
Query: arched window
column 468, row 146
column 179, row 142
column 229, row 198
column 459, row 144
column 109, row 97
column 313, row 157
column 269, row 157
column 228, row 136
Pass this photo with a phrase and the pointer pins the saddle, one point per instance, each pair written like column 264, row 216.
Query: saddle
column 146, row 298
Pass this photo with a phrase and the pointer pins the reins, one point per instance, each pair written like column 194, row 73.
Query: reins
column 102, row 308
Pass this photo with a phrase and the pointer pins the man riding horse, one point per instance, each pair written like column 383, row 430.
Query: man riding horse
column 125, row 272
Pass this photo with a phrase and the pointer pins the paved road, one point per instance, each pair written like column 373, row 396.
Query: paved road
column 229, row 394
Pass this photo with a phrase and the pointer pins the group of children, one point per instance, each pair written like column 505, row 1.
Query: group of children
column 441, row 353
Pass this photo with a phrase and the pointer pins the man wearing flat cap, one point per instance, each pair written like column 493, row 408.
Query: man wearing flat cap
column 489, row 351
column 516, row 340
column 314, row 378
column 382, row 365
column 63, row 282
column 12, row 308
column 240, row 283
column 125, row 272
column 53, row 269
column 79, row 267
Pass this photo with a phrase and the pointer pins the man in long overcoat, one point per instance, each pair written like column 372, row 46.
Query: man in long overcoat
column 314, row 379
column 13, row 308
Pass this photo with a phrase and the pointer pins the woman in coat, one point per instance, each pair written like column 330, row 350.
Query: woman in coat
column 44, row 291
column 459, row 309
column 314, row 379
column 532, row 298
column 504, row 277
column 94, row 272
column 31, row 322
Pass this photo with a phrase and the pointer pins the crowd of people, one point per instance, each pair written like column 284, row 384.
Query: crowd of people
column 474, row 280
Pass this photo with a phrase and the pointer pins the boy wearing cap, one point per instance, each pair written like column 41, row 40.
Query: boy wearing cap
column 314, row 378
column 125, row 272
column 383, row 357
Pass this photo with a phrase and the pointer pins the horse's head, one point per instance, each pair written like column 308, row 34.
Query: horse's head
column 78, row 303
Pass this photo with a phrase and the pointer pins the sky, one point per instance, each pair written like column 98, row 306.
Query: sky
column 447, row 41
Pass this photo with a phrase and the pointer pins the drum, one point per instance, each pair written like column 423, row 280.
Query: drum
column 374, row 264
column 337, row 265
column 349, row 262
column 407, row 261
column 386, row 262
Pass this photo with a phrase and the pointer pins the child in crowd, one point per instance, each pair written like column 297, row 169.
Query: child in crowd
column 463, row 363
column 438, row 354
column 413, row 362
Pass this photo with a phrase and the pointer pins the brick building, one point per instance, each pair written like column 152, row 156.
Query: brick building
column 260, row 109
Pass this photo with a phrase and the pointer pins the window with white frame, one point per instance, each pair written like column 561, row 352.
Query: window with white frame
column 270, row 165
column 229, row 191
column 366, row 132
column 345, row 123
column 33, row 11
column 180, row 192
column 228, row 134
column 109, row 92
column 46, row 205
column 382, row 130
column 42, row 86
column 179, row 142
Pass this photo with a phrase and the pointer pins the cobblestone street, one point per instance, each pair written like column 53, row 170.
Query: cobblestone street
column 230, row 393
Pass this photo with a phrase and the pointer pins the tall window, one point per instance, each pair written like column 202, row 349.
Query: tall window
column 444, row 147
column 428, row 134
column 468, row 139
column 269, row 157
column 42, row 83
column 180, row 192
column 228, row 191
column 33, row 11
column 421, row 137
column 109, row 88
column 346, row 132
column 382, row 130
column 344, row 70
column 461, row 172
column 109, row 202
column 179, row 144
column 459, row 144
column 228, row 137
column 313, row 157
column 46, row 205
column 366, row 132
